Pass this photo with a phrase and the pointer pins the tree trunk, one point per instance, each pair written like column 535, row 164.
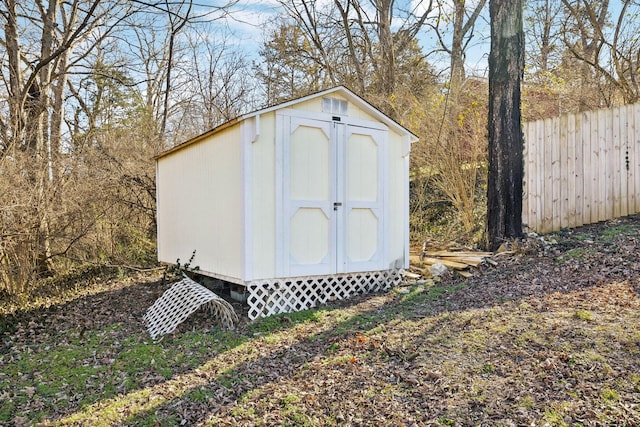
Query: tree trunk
column 386, row 46
column 177, row 22
column 506, row 65
column 355, row 60
column 457, row 52
column 16, row 119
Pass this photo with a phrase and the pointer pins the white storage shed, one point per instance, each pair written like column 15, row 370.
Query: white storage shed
column 300, row 203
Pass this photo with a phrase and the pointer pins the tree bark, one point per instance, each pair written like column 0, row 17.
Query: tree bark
column 385, row 37
column 16, row 119
column 457, row 52
column 176, row 22
column 506, row 66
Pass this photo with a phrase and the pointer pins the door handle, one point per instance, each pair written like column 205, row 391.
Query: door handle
column 336, row 205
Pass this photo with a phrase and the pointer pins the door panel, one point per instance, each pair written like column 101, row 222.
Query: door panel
column 309, row 176
column 310, row 238
column 362, row 168
column 363, row 237
column 332, row 197
column 311, row 163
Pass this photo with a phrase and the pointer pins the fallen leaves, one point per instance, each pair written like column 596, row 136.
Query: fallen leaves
column 549, row 336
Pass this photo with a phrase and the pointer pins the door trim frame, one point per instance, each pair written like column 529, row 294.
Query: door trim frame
column 282, row 266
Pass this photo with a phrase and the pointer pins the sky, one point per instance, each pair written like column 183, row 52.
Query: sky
column 248, row 18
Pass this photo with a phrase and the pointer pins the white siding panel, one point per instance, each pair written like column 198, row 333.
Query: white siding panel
column 200, row 204
column 264, row 200
column 396, row 202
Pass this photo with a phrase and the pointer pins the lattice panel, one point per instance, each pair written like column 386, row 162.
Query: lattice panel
column 267, row 297
column 179, row 301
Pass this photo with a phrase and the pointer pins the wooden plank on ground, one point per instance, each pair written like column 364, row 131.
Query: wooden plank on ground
column 414, row 259
column 468, row 261
column 450, row 264
column 456, row 253
column 411, row 276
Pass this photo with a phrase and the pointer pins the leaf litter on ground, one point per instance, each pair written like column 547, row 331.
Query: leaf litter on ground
column 549, row 336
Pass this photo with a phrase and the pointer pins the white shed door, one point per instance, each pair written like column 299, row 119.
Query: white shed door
column 333, row 180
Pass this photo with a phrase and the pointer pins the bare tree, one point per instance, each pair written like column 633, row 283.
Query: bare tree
column 463, row 20
column 36, row 74
column 353, row 43
column 610, row 54
column 544, row 35
column 177, row 20
column 220, row 88
column 460, row 148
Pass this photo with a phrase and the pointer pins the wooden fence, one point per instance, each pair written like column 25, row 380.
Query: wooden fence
column 581, row 168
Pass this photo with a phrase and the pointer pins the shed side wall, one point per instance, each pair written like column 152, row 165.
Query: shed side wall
column 200, row 204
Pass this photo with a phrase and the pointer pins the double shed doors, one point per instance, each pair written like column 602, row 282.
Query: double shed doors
column 332, row 213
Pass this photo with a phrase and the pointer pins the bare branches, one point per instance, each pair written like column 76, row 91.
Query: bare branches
column 587, row 37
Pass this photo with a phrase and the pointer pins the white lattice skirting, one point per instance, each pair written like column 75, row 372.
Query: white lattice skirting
column 179, row 301
column 273, row 296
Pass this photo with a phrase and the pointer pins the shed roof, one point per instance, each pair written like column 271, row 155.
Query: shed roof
column 348, row 94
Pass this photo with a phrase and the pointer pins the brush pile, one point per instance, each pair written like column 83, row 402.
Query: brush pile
column 460, row 260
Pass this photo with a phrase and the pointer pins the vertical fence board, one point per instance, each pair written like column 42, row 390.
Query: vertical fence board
column 539, row 171
column 587, row 184
column 578, row 168
column 555, row 166
column 609, row 203
column 547, row 170
column 526, row 184
column 635, row 161
column 525, row 178
column 563, row 168
column 571, row 194
column 631, row 154
column 622, row 161
column 614, row 162
column 605, row 173
column 596, row 163
column 529, row 208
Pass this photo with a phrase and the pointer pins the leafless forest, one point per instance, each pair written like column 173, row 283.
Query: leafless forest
column 91, row 90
